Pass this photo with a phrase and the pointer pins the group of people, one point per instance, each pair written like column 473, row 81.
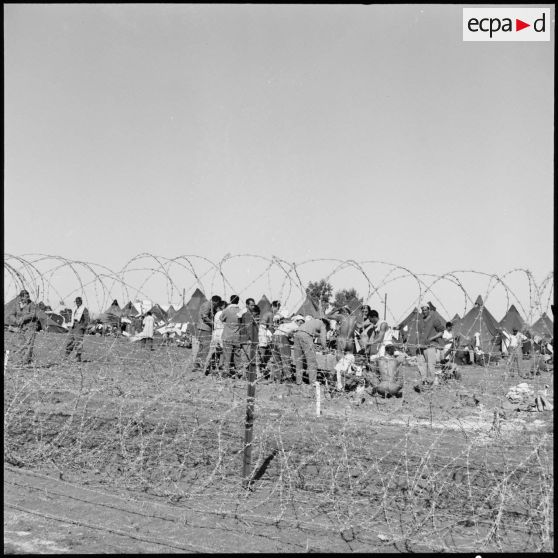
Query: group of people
column 25, row 319
column 231, row 339
column 282, row 348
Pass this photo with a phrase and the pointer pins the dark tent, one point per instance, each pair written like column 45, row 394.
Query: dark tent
column 9, row 307
column 114, row 309
column 158, row 313
column 171, row 312
column 543, row 327
column 309, row 308
column 129, row 310
column 57, row 318
column 409, row 329
column 512, row 320
column 50, row 324
column 112, row 314
column 479, row 320
column 411, row 322
column 189, row 313
column 455, row 319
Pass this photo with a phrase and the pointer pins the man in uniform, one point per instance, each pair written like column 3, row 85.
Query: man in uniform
column 25, row 318
column 232, row 350
column 281, row 347
column 249, row 334
column 205, row 329
column 304, row 348
column 430, row 327
column 79, row 323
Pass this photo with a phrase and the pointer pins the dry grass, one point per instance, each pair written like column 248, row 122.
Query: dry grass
column 429, row 472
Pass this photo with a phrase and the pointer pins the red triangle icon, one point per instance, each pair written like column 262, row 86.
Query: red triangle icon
column 519, row 25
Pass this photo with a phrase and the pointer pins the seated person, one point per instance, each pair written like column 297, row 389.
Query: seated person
column 390, row 381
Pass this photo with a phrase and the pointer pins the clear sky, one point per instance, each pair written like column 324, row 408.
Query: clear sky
column 305, row 132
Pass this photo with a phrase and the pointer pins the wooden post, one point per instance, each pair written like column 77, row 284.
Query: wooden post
column 249, row 428
column 183, row 296
column 385, row 306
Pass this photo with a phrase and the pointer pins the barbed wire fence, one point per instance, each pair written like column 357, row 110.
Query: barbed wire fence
column 428, row 472
column 285, row 281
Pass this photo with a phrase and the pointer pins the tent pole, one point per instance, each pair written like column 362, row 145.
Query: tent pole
column 385, row 306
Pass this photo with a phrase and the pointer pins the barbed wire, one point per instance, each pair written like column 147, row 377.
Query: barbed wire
column 421, row 473
column 54, row 279
column 424, row 473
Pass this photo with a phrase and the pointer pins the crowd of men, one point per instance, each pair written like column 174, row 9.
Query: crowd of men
column 25, row 320
column 231, row 339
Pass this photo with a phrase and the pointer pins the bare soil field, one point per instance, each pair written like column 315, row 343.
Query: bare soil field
column 130, row 451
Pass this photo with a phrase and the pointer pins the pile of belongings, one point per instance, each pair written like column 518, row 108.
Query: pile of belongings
column 523, row 398
column 344, row 366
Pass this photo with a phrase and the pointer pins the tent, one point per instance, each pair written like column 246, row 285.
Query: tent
column 455, row 319
column 512, row 320
column 158, row 313
column 9, row 307
column 264, row 305
column 50, row 323
column 309, row 308
column 112, row 314
column 411, row 331
column 412, row 323
column 57, row 318
column 171, row 311
column 189, row 312
column 543, row 327
column 129, row 310
column 479, row 320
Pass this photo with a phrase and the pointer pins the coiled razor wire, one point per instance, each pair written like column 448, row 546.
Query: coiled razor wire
column 428, row 475
column 55, row 280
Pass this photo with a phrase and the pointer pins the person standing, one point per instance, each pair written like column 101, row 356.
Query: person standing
column 148, row 330
column 26, row 319
column 377, row 336
column 281, row 348
column 249, row 334
column 429, row 327
column 304, row 349
column 205, row 330
column 78, row 325
column 231, row 336
column 363, row 329
column 516, row 351
column 216, row 348
column 347, row 326
column 268, row 321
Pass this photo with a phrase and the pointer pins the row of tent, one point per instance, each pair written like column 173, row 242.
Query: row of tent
column 480, row 320
column 477, row 320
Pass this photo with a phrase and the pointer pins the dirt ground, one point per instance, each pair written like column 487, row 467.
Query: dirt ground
column 130, row 451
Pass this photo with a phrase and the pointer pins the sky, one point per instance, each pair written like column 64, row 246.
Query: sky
column 302, row 132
